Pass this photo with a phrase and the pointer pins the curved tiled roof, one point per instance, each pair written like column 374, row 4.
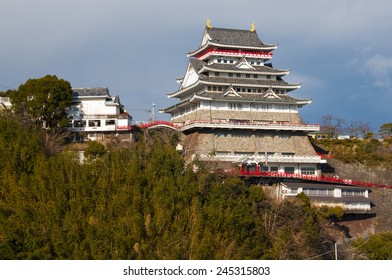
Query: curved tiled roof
column 97, row 91
column 248, row 82
column 235, row 37
column 257, row 69
column 255, row 98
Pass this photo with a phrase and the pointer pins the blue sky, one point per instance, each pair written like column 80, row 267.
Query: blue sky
column 340, row 50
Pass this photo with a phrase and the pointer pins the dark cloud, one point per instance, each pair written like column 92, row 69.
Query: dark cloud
column 338, row 50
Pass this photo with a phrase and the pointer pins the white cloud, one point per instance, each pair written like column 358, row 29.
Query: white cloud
column 379, row 67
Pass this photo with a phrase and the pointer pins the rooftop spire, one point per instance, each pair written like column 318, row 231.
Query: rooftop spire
column 252, row 27
column 208, row 23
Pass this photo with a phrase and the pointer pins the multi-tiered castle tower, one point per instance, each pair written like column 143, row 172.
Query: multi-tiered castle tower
column 235, row 107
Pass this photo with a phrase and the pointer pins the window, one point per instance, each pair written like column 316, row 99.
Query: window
column 269, row 77
column 94, row 123
column 289, row 170
column 235, row 106
column 318, row 192
column 79, row 123
column 216, row 73
column 110, row 122
column 265, row 168
column 242, row 135
column 230, row 74
column 308, row 170
column 238, row 75
column 247, row 75
column 274, row 169
column 260, row 107
column 255, row 76
column 353, row 193
column 268, row 168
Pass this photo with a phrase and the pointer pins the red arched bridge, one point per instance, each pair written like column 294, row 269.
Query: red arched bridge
column 156, row 124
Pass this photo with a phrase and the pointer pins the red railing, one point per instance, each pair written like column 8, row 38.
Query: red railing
column 256, row 173
column 226, row 122
column 157, row 123
column 263, row 54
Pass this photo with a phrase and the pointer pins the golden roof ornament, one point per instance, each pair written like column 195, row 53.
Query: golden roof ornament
column 252, row 27
column 208, row 24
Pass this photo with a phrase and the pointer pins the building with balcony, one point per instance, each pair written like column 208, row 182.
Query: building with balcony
column 351, row 199
column 235, row 107
column 96, row 115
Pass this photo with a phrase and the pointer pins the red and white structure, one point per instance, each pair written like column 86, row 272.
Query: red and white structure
column 235, row 107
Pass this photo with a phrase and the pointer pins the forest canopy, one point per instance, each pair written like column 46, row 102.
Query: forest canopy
column 138, row 202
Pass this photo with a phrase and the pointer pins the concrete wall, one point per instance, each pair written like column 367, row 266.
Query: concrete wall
column 246, row 141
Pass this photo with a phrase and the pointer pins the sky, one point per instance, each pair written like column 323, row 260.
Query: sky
column 339, row 50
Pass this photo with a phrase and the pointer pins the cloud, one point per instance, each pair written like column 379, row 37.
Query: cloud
column 138, row 48
column 379, row 67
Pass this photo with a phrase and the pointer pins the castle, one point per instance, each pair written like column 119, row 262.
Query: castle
column 235, row 107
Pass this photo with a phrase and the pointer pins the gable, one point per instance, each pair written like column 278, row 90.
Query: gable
column 231, row 92
column 244, row 64
column 271, row 94
column 190, row 77
column 205, row 39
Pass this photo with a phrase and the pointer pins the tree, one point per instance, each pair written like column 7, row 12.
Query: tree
column 94, row 149
column 332, row 125
column 359, row 128
column 386, row 130
column 44, row 100
column 377, row 247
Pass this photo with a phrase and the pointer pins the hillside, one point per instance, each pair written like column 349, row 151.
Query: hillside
column 367, row 161
column 137, row 201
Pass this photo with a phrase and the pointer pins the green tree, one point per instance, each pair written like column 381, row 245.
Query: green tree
column 377, row 247
column 94, row 149
column 386, row 130
column 45, row 100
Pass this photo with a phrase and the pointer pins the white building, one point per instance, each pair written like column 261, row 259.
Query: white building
column 5, row 102
column 95, row 115
column 350, row 198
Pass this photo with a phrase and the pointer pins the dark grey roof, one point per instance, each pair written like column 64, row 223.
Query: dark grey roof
column 231, row 67
column 235, row 37
column 197, row 64
column 98, row 91
column 245, row 81
column 321, row 185
column 256, row 98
